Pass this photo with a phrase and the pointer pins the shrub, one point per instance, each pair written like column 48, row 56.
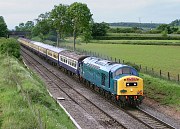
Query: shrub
column 10, row 46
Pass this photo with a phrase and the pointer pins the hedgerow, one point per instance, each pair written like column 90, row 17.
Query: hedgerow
column 135, row 38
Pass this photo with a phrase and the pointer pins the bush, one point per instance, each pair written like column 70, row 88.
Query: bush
column 10, row 46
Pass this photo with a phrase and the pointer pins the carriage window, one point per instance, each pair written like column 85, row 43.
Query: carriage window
column 44, row 50
column 55, row 55
column 49, row 53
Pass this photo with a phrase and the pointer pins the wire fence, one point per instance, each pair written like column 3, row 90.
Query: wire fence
column 143, row 69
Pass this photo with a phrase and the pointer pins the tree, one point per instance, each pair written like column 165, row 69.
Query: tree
column 81, row 18
column 3, row 27
column 43, row 26
column 20, row 27
column 28, row 26
column 175, row 22
column 169, row 29
column 60, row 20
column 100, row 29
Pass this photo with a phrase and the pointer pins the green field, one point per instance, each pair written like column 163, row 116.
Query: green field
column 158, row 57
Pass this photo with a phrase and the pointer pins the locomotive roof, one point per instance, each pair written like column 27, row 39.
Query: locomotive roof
column 49, row 47
column 105, row 65
column 73, row 55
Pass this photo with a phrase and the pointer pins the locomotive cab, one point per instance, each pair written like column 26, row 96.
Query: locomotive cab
column 128, row 85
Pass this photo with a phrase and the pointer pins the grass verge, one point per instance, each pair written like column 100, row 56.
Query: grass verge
column 164, row 92
column 25, row 103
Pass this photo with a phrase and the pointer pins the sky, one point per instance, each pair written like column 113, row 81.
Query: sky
column 144, row 11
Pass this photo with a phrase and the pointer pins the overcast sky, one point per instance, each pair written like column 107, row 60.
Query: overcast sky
column 156, row 11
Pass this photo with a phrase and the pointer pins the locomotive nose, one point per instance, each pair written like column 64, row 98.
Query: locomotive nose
column 130, row 85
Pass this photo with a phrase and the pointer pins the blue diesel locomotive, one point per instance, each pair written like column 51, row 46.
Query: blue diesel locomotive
column 118, row 82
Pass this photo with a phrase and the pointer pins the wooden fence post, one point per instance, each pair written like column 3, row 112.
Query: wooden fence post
column 152, row 71
column 115, row 59
column 119, row 61
column 160, row 73
column 168, row 76
column 146, row 68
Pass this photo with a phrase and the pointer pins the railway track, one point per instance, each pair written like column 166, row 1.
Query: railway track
column 148, row 119
column 105, row 120
column 108, row 121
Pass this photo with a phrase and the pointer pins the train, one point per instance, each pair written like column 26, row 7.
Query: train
column 118, row 82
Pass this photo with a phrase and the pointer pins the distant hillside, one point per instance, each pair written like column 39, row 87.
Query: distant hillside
column 133, row 24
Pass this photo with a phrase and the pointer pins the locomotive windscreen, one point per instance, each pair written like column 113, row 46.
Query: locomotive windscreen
column 126, row 71
column 123, row 71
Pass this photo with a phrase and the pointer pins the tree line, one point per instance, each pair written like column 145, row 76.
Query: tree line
column 134, row 24
column 62, row 20
column 152, row 28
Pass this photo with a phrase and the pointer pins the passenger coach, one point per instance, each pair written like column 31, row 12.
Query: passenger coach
column 71, row 60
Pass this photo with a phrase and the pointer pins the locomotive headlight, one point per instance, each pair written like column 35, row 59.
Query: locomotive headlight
column 131, row 90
